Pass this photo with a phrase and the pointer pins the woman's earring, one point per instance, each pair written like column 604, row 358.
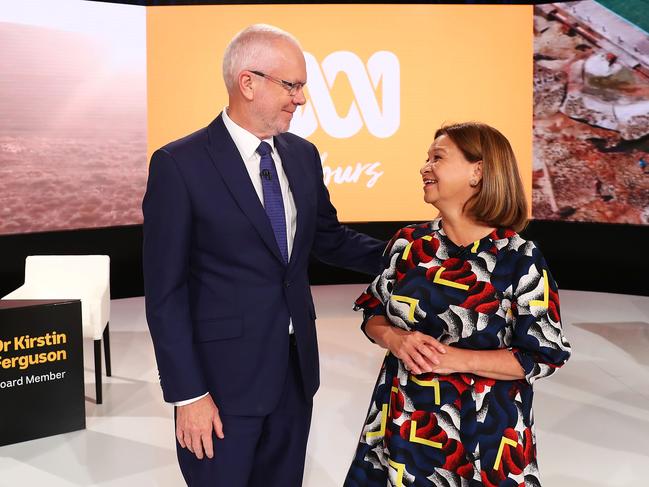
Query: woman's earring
column 473, row 183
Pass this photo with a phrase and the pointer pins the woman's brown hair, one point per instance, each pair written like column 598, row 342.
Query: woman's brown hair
column 500, row 200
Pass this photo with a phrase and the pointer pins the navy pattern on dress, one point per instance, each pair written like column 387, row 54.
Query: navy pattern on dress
column 459, row 429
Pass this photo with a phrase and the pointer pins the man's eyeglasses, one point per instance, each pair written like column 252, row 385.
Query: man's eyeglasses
column 289, row 86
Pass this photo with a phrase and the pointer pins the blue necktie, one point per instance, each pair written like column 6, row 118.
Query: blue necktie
column 273, row 202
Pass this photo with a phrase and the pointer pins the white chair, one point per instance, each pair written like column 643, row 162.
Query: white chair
column 84, row 277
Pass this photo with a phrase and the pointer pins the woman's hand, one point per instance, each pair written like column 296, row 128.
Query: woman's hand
column 454, row 360
column 419, row 352
column 423, row 354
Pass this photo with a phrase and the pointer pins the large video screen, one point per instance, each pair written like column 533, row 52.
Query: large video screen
column 90, row 89
column 591, row 112
column 73, row 124
column 381, row 80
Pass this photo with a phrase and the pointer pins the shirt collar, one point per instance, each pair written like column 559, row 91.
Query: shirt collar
column 497, row 235
column 245, row 141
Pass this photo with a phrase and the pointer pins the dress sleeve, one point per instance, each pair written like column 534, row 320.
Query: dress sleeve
column 538, row 342
column 375, row 298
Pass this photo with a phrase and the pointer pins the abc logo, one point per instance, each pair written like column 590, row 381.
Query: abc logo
column 380, row 117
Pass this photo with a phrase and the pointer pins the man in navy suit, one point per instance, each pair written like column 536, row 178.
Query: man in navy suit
column 232, row 213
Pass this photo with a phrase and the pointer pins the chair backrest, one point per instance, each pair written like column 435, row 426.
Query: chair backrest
column 68, row 271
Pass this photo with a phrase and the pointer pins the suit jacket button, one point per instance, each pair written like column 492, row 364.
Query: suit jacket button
column 287, row 283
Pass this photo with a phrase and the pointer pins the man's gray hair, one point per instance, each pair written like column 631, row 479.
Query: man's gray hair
column 249, row 49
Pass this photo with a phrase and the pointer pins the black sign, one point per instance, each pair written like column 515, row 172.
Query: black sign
column 41, row 369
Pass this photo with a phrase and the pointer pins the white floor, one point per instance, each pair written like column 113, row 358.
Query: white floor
column 592, row 416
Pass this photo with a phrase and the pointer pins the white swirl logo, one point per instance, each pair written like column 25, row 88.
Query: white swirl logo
column 381, row 119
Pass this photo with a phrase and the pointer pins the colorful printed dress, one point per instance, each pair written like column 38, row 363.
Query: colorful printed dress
column 459, row 429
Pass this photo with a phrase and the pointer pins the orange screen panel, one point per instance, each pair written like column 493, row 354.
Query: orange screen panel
column 381, row 79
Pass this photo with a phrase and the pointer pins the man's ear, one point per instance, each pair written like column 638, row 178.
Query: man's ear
column 246, row 85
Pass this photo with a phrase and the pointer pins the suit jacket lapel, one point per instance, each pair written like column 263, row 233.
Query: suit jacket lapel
column 227, row 160
column 294, row 173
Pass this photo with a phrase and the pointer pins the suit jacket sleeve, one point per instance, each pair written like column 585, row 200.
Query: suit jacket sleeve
column 167, row 233
column 337, row 244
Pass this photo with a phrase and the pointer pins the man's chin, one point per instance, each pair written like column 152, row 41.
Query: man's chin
column 283, row 128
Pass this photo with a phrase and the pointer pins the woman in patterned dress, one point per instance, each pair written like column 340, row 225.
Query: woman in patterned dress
column 469, row 313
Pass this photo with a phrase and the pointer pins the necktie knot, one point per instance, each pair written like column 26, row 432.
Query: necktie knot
column 264, row 149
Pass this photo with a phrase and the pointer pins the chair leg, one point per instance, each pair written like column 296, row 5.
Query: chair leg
column 106, row 338
column 98, row 371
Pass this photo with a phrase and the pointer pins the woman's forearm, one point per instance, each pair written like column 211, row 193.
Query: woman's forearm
column 492, row 364
column 379, row 329
column 423, row 357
